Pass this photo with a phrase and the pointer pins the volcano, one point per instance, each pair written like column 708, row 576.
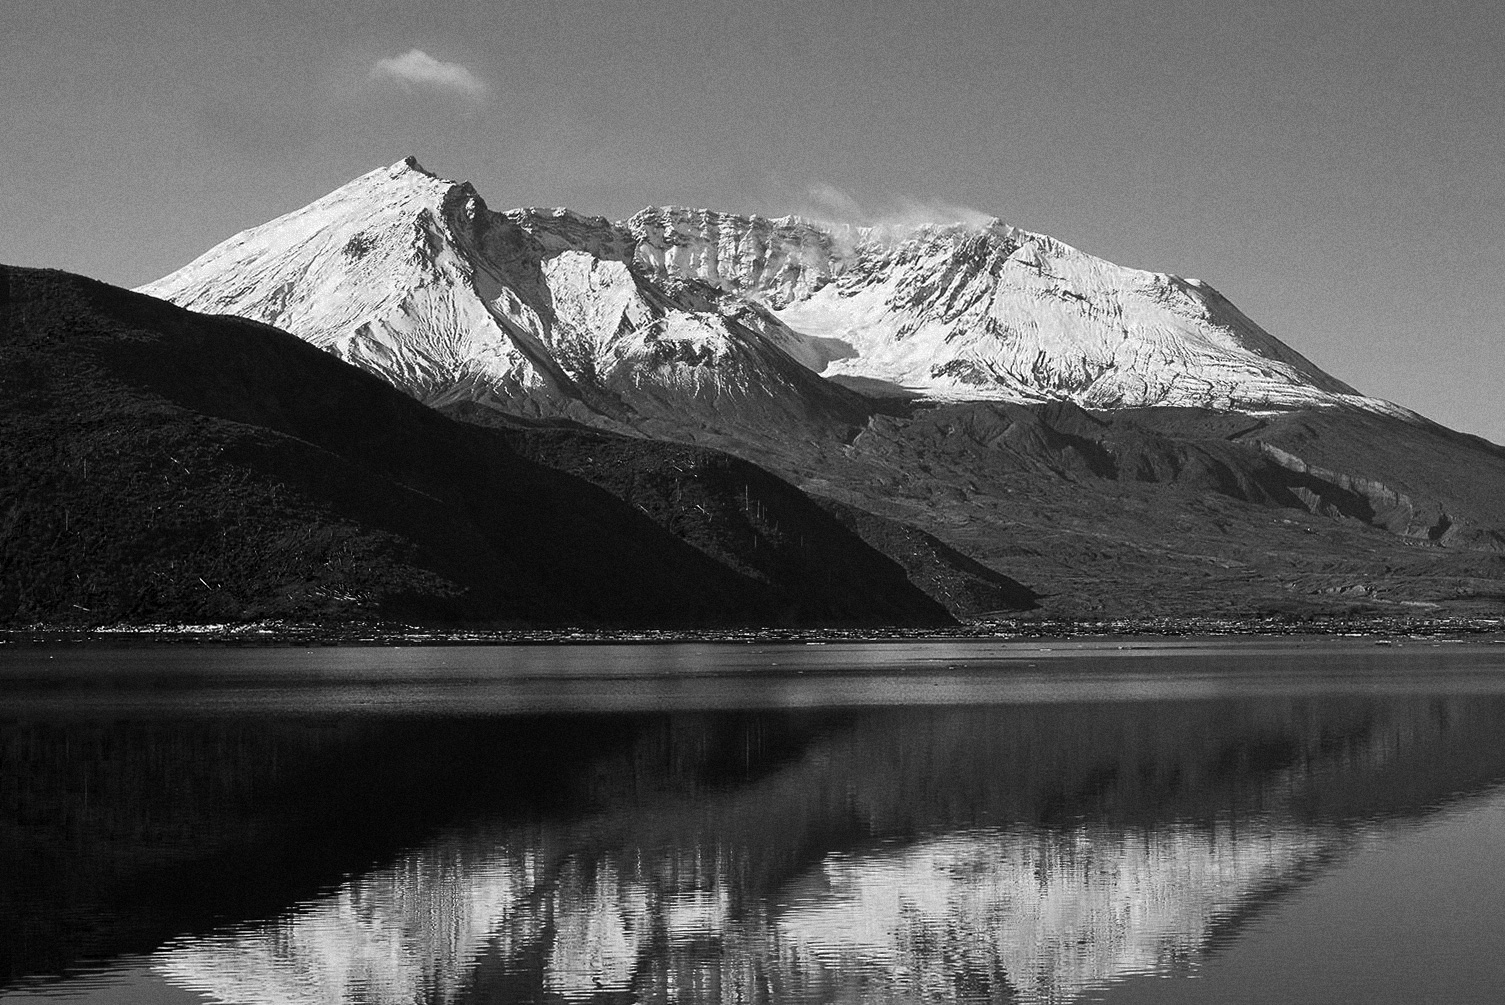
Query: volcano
column 1125, row 442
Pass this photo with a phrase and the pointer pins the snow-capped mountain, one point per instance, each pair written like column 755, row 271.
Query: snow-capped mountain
column 699, row 316
column 987, row 312
column 414, row 278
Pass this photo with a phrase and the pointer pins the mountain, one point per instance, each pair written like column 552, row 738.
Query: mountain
column 161, row 466
column 1114, row 441
column 677, row 311
column 413, row 278
column 985, row 312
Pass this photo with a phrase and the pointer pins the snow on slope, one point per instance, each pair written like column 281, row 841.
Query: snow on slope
column 990, row 312
column 413, row 278
column 372, row 273
column 705, row 317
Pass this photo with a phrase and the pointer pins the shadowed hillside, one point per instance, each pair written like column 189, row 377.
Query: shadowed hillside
column 745, row 517
column 160, row 465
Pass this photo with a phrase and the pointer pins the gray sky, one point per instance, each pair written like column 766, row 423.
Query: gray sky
column 1337, row 170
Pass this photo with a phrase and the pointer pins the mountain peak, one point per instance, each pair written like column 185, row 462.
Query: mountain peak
column 410, row 275
column 410, row 163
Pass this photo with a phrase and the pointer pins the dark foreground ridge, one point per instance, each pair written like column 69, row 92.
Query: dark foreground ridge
column 161, row 466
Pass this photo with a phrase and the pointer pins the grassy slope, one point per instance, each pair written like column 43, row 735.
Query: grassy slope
column 1149, row 513
column 1180, row 513
column 754, row 522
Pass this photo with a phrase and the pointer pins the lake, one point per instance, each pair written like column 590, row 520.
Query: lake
column 1271, row 820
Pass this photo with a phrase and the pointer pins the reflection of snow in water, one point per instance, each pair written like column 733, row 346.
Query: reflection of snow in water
column 964, row 916
column 600, row 928
column 1056, row 913
column 404, row 934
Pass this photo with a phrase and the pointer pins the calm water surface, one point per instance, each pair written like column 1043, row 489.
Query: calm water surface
column 1286, row 821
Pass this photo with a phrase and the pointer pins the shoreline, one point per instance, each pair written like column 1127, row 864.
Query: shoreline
column 285, row 634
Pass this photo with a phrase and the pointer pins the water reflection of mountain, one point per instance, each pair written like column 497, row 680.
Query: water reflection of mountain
column 945, row 854
column 117, row 834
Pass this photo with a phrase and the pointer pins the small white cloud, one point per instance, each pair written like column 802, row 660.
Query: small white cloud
column 416, row 68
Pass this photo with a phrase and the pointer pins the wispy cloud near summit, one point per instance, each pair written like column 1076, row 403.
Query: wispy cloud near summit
column 416, row 68
column 833, row 205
